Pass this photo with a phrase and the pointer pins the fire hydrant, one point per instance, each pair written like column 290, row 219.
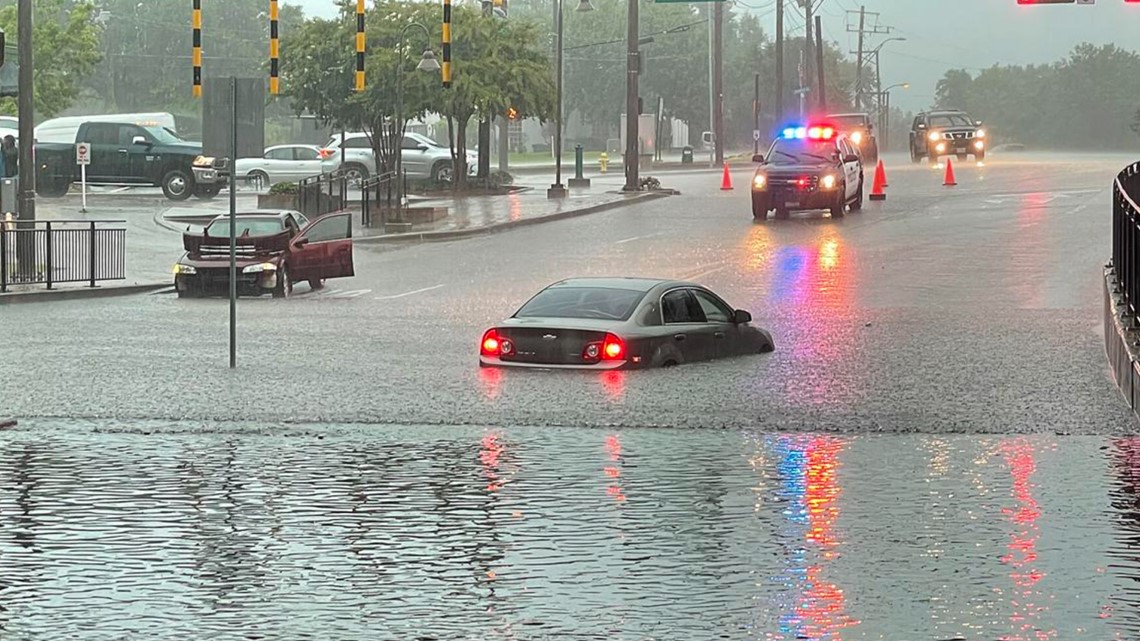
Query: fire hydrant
column 603, row 162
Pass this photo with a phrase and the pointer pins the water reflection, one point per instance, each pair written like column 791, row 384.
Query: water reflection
column 454, row 533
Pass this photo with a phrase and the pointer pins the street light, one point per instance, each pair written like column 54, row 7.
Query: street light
column 427, row 63
column 885, row 112
column 557, row 190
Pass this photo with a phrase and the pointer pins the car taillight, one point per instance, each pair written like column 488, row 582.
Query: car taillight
column 326, row 153
column 491, row 345
column 613, row 349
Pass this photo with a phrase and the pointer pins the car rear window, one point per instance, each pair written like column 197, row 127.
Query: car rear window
column 582, row 302
column 247, row 226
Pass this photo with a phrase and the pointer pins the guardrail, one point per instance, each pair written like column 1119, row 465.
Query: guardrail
column 61, row 251
column 319, row 195
column 1126, row 234
column 377, row 195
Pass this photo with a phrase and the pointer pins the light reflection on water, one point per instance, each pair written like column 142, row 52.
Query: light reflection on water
column 457, row 533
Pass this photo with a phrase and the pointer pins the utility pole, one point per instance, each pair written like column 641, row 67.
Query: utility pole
column 712, row 83
column 862, row 29
column 718, row 82
column 809, row 48
column 779, row 108
column 26, row 202
column 632, row 144
column 756, row 117
column 820, row 44
column 859, row 61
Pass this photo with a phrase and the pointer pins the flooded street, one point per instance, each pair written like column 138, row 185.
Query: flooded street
column 179, row 531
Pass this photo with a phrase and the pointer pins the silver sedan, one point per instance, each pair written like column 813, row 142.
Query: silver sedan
column 284, row 163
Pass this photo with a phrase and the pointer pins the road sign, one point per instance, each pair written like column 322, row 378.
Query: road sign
column 756, row 135
column 83, row 153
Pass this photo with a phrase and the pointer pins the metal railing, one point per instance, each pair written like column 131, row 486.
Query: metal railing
column 1126, row 234
column 323, row 194
column 61, row 251
column 379, row 196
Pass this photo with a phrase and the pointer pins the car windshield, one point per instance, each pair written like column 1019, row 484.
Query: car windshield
column 951, row 120
column 848, row 122
column 793, row 152
column 582, row 302
column 246, row 226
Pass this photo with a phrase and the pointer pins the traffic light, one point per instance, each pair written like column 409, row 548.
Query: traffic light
column 512, row 113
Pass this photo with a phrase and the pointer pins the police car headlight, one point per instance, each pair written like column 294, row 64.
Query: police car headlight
column 857, row 137
column 934, row 135
column 827, row 182
column 760, row 181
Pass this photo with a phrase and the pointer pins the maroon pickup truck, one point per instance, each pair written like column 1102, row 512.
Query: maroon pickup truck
column 274, row 249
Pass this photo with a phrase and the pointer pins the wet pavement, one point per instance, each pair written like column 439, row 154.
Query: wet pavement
column 162, row 531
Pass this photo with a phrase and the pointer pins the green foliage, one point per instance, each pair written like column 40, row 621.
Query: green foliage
column 285, row 188
column 1088, row 100
column 65, row 49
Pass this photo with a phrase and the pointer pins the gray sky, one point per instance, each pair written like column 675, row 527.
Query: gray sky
column 945, row 34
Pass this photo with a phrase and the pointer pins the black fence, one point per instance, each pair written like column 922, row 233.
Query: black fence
column 379, row 198
column 1126, row 234
column 61, row 251
column 323, row 194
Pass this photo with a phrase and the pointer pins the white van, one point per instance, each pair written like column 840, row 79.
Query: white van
column 64, row 129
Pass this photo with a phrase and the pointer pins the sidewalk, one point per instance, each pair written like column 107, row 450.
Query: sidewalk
column 590, row 169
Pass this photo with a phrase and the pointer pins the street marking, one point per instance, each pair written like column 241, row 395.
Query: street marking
column 352, row 293
column 630, row 240
column 411, row 293
column 704, row 270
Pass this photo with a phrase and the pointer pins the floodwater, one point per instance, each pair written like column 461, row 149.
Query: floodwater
column 194, row 532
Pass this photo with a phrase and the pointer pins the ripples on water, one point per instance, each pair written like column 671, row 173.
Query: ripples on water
column 439, row 533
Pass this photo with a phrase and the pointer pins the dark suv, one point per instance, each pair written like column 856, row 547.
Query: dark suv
column 946, row 133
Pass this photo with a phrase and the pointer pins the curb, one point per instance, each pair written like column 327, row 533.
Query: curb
column 45, row 295
column 430, row 236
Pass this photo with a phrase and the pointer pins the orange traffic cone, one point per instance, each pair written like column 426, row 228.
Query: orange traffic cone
column 949, row 180
column 877, row 192
column 879, row 167
column 726, row 181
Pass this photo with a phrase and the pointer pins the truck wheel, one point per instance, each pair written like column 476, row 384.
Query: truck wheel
column 208, row 192
column 53, row 188
column 177, row 185
column 980, row 157
column 840, row 203
column 914, row 157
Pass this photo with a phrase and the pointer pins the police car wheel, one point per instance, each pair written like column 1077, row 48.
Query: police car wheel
column 840, row 203
column 857, row 204
column 759, row 207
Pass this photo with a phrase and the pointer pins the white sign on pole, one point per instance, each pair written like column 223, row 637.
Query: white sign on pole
column 756, row 135
column 83, row 158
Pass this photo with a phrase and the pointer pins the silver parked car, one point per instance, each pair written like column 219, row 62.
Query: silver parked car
column 422, row 157
column 284, row 163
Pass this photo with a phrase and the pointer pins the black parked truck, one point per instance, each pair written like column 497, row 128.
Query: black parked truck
column 125, row 154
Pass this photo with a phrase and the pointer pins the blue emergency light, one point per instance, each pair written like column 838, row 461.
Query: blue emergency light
column 815, row 132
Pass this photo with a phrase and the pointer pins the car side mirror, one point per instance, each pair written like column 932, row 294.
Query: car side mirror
column 741, row 316
column 758, row 158
column 978, row 123
column 921, row 126
column 851, row 158
column 300, row 242
column 140, row 140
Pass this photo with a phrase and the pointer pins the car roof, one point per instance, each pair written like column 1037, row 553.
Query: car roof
column 621, row 282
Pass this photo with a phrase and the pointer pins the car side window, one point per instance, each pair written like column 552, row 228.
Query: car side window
column 410, row 143
column 714, row 310
column 357, row 143
column 305, row 153
column 127, row 134
column 280, row 154
column 291, row 225
column 679, row 306
column 332, row 228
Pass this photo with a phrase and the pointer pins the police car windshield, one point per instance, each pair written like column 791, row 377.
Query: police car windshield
column 791, row 152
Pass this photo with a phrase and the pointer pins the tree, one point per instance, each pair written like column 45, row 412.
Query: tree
column 498, row 64
column 65, row 47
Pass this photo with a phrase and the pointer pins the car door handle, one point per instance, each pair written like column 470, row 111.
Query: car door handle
column 679, row 337
column 718, row 334
column 122, row 151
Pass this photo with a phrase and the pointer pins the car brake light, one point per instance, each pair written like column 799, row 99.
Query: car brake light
column 490, row 345
column 613, row 348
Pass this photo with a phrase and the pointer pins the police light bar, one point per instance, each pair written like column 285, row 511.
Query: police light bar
column 815, row 132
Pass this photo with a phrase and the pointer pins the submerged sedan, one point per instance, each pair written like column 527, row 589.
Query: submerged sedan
column 621, row 323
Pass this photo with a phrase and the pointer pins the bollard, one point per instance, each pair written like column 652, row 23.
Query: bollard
column 578, row 180
column 603, row 162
